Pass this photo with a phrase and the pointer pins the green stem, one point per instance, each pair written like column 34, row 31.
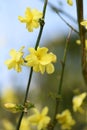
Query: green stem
column 26, row 96
column 31, row 70
column 63, row 62
column 41, row 24
column 79, row 4
column 61, row 80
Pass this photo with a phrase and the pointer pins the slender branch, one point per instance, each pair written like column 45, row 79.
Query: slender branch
column 79, row 4
column 19, row 122
column 41, row 24
column 58, row 99
column 61, row 11
column 26, row 96
column 57, row 11
column 28, row 85
column 31, row 70
column 68, row 24
column 63, row 62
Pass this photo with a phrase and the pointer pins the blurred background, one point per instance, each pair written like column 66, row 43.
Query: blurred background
column 13, row 34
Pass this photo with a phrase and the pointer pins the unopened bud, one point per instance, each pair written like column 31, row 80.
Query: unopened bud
column 13, row 107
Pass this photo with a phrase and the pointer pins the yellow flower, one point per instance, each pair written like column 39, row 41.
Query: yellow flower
column 25, row 125
column 77, row 102
column 16, row 61
column 70, row 2
column 84, row 23
column 31, row 19
column 41, row 60
column 65, row 119
column 41, row 120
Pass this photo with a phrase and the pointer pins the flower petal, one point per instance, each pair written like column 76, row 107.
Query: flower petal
column 50, row 68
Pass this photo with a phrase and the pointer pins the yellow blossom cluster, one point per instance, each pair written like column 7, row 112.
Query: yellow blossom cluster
column 40, row 120
column 39, row 59
column 65, row 118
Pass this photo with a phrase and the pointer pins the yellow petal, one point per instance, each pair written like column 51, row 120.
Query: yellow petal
column 10, row 64
column 18, row 67
column 45, row 111
column 21, row 19
column 29, row 27
column 48, row 58
column 50, row 68
column 36, row 68
column 42, row 68
column 31, row 60
column 37, row 14
column 28, row 13
column 32, row 50
column 42, row 51
column 13, row 52
column 34, row 119
column 35, row 24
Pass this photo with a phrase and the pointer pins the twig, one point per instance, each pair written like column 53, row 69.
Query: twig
column 57, row 11
column 58, row 99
